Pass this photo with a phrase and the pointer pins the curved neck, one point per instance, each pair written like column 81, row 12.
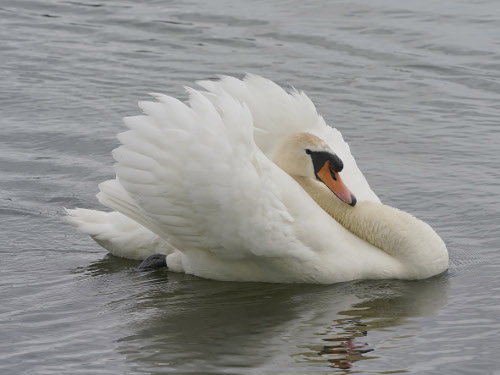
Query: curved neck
column 355, row 219
column 399, row 234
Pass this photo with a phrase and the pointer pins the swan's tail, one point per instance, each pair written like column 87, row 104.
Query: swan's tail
column 118, row 234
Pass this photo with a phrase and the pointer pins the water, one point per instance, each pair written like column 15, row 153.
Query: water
column 415, row 89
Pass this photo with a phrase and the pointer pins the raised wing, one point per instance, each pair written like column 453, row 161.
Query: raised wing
column 277, row 114
column 193, row 175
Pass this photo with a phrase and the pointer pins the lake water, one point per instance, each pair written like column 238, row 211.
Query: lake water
column 413, row 86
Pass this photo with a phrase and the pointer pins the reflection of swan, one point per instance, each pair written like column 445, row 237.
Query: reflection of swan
column 192, row 178
column 382, row 306
column 188, row 324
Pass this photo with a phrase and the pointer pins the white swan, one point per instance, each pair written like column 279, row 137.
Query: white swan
column 197, row 182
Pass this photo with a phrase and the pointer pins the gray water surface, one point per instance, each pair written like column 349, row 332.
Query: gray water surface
column 413, row 86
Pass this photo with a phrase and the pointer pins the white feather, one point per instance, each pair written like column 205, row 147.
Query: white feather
column 277, row 114
column 120, row 235
column 198, row 177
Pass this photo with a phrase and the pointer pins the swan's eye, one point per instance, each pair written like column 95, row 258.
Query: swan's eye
column 308, row 152
column 332, row 172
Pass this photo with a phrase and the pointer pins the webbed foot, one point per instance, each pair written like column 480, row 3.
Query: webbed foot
column 153, row 262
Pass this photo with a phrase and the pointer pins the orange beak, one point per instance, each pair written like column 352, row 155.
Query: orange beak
column 332, row 179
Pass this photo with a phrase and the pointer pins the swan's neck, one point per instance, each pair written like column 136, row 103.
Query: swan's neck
column 363, row 220
column 395, row 232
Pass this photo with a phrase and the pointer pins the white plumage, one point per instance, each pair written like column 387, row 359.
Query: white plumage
column 199, row 178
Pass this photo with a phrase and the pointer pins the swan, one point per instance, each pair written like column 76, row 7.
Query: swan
column 246, row 182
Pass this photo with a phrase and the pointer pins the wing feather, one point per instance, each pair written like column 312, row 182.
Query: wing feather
column 192, row 174
column 277, row 113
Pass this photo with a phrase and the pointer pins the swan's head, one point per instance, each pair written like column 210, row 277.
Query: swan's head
column 306, row 155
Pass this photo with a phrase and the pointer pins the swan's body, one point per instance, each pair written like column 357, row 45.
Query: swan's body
column 198, row 183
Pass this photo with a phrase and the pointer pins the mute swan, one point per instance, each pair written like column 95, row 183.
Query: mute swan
column 246, row 182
